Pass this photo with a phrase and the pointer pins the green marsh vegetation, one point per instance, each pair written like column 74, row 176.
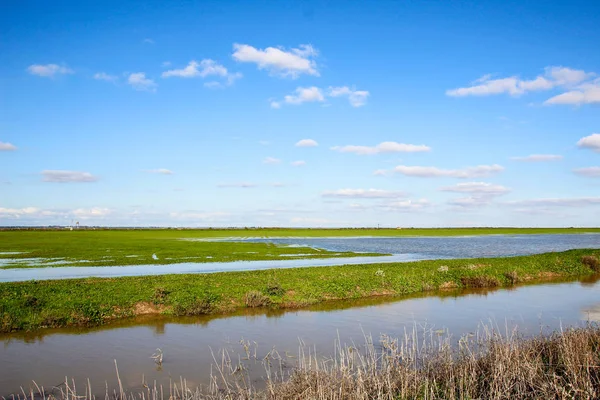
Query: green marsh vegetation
column 93, row 301
column 108, row 247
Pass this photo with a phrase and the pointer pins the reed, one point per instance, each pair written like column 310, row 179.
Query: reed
column 419, row 365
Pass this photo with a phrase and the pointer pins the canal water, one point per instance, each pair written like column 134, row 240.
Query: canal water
column 189, row 344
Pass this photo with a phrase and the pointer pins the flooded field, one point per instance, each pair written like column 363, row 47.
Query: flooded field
column 188, row 344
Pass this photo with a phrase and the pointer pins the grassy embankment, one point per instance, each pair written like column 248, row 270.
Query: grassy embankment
column 37, row 304
column 135, row 247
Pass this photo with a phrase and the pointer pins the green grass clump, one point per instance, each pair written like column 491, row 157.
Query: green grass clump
column 92, row 301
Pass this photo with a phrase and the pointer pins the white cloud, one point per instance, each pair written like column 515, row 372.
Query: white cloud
column 148, row 41
column 298, row 163
column 588, row 93
column 95, row 212
column 590, row 172
column 271, row 160
column 139, row 81
column 539, row 158
column 277, row 61
column 48, row 70
column 407, row 205
column 244, row 185
column 204, row 69
column 18, row 212
column 61, row 176
column 364, row 194
column 306, row 143
column 357, row 98
column 162, row 171
column 430, row 172
column 384, row 147
column 304, row 95
column 477, row 188
column 5, row 146
column 591, row 142
column 471, row 201
column 200, row 216
column 514, row 86
column 275, row 104
column 103, row 76
column 557, row 202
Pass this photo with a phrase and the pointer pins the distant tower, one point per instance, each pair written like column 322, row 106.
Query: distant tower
column 77, row 224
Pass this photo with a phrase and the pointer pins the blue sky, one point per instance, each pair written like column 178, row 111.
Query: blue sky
column 224, row 113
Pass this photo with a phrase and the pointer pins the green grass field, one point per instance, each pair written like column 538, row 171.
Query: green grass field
column 109, row 247
column 93, row 301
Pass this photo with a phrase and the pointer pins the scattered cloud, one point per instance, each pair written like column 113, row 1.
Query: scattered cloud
column 139, row 81
column 303, row 95
column 298, row 163
column 5, row 146
column 357, row 98
column 384, row 147
column 477, row 188
column 590, row 172
column 363, row 194
column 244, row 185
column 557, row 202
column 18, row 212
column 275, row 104
column 61, row 176
column 203, row 69
column 103, row 76
column 407, row 205
column 88, row 213
column 580, row 89
column 591, row 142
column 49, row 70
column 587, row 93
column 291, row 63
column 271, row 160
column 162, row 171
column 148, row 41
column 431, row 172
column 200, row 216
column 306, row 143
column 539, row 158
column 481, row 193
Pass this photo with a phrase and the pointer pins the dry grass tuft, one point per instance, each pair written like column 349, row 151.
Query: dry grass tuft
column 513, row 277
column 480, row 281
column 254, row 298
column 591, row 261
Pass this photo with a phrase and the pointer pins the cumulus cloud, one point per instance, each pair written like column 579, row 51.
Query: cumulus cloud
column 162, row 171
column 384, row 147
column 18, row 212
column 200, row 216
column 407, row 205
column 357, row 98
column 579, row 85
column 88, row 213
column 61, row 176
column 431, row 172
column 477, row 188
column 587, row 93
column 590, row 172
column 306, row 143
column 304, row 95
column 244, row 185
column 5, row 146
column 480, row 193
column 103, row 76
column 271, row 160
column 363, row 194
column 298, row 163
column 48, row 70
column 203, row 69
column 139, row 81
column 539, row 158
column 591, row 142
column 557, row 202
column 278, row 61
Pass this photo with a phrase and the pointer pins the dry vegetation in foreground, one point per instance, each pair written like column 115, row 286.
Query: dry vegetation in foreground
column 564, row 365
